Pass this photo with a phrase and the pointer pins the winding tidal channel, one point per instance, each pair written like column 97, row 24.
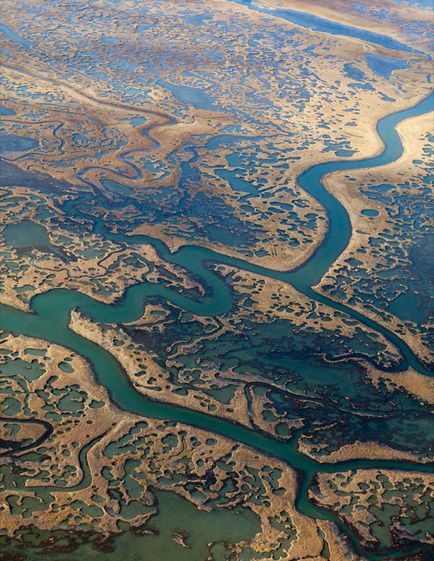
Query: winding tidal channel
column 50, row 314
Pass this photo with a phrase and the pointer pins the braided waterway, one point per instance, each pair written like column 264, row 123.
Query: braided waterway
column 50, row 314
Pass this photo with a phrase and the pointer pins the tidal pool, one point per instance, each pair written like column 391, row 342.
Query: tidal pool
column 26, row 235
column 190, row 95
column 369, row 212
column 384, row 66
column 15, row 143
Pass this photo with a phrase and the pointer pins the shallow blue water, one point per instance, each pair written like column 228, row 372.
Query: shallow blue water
column 14, row 36
column 6, row 112
column 384, row 66
column 369, row 212
column 315, row 23
column 190, row 95
column 15, row 143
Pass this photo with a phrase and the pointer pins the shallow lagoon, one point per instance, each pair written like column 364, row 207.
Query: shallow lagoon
column 155, row 542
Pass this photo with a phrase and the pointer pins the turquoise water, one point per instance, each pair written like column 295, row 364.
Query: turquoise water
column 369, row 212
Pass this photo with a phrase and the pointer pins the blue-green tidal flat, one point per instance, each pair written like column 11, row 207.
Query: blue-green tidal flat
column 51, row 310
column 216, row 280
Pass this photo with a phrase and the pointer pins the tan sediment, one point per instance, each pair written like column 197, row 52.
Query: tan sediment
column 338, row 546
column 361, row 450
column 30, row 431
column 416, row 384
column 64, row 432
